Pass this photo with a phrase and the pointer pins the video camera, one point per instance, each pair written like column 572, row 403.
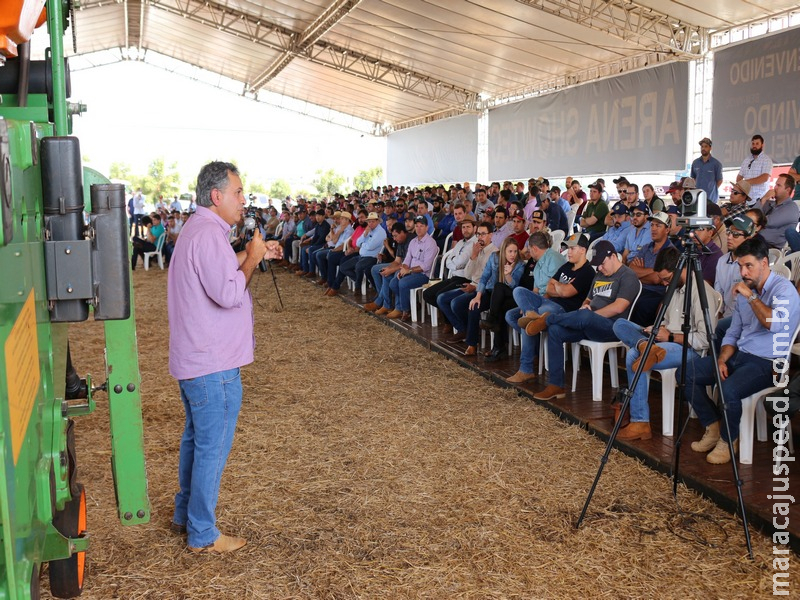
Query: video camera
column 693, row 214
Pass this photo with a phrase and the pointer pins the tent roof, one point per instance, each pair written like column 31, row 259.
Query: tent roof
column 398, row 63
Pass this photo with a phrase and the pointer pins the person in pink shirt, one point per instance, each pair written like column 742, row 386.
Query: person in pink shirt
column 210, row 338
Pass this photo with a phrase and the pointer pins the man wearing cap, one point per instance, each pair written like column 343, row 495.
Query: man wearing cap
column 756, row 168
column 369, row 245
column 336, row 239
column 740, row 200
column 518, row 229
column 728, row 274
column 414, row 270
column 382, row 273
column 456, row 265
column 639, row 233
column 617, row 233
column 613, row 290
column 765, row 315
column 322, row 228
column 564, row 292
column 781, row 211
column 422, row 211
column 594, row 215
column 556, row 217
column 707, row 171
column 667, row 352
column 653, row 286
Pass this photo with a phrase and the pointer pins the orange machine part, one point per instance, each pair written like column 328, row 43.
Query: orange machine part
column 18, row 19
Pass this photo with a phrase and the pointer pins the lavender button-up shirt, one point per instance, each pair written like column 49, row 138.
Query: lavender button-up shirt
column 210, row 309
column 421, row 253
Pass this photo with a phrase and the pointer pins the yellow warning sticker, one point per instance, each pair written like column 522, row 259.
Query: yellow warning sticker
column 22, row 372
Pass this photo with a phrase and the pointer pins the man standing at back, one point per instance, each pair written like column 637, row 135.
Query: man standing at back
column 207, row 275
column 756, row 169
column 707, row 171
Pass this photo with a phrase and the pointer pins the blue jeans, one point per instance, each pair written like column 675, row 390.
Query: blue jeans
column 384, row 294
column 402, row 289
column 212, row 404
column 747, row 374
column 630, row 334
column 793, row 238
column 345, row 262
column 453, row 305
column 573, row 326
column 526, row 300
column 321, row 260
column 719, row 333
column 307, row 263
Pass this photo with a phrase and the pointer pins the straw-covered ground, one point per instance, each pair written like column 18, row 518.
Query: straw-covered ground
column 367, row 467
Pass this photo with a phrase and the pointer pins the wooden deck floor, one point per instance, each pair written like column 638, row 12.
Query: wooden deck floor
column 714, row 482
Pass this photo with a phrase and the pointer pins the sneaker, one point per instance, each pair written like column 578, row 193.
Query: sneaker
column 709, row 439
column 224, row 543
column 520, row 377
column 551, row 392
column 721, row 453
column 635, row 431
column 657, row 354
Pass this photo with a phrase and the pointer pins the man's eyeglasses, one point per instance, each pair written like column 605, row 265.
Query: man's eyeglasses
column 483, row 234
column 638, row 214
column 736, row 234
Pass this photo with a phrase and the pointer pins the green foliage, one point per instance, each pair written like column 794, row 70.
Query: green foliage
column 328, row 182
column 280, row 189
column 256, row 188
column 161, row 180
column 367, row 179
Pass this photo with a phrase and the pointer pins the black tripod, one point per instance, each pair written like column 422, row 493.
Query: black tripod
column 274, row 279
column 690, row 258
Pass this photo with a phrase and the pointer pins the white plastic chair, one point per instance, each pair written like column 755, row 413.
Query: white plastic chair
column 417, row 293
column 597, row 352
column 571, row 215
column 775, row 255
column 157, row 252
column 753, row 404
column 781, row 269
column 558, row 237
column 793, row 261
column 443, row 273
column 669, row 377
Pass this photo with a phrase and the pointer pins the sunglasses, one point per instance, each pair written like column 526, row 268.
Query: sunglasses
column 736, row 234
column 638, row 214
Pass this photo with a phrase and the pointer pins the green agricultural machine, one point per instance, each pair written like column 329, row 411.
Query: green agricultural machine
column 64, row 256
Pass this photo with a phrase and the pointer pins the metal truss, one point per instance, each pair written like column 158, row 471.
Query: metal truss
column 307, row 45
column 628, row 21
column 321, row 25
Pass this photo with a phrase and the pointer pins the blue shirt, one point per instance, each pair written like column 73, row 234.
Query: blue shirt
column 748, row 335
column 636, row 240
column 545, row 268
column 706, row 174
column 617, row 235
column 370, row 243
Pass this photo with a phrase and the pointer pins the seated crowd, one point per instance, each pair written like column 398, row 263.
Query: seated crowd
column 570, row 267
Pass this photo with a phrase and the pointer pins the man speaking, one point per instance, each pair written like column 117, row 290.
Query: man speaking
column 211, row 337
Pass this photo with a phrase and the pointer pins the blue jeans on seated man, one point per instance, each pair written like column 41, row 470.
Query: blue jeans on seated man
column 793, row 238
column 345, row 262
column 384, row 297
column 527, row 300
column 747, row 374
column 212, row 404
column 307, row 262
column 356, row 269
column 630, row 334
column 321, row 260
column 401, row 288
column 453, row 305
column 719, row 333
column 582, row 324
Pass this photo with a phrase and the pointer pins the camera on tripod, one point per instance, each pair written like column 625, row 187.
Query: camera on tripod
column 693, row 214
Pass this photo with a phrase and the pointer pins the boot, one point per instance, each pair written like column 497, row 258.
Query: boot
column 224, row 543
column 529, row 316
column 709, row 439
column 721, row 454
column 635, row 431
column 657, row 354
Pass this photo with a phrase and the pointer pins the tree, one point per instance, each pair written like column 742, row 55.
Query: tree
column 161, row 180
column 366, row 179
column 328, row 182
column 257, row 188
column 280, row 189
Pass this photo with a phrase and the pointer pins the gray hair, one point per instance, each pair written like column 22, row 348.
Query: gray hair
column 213, row 176
column 540, row 239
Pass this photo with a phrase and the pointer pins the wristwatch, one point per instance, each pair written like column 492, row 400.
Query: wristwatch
column 752, row 298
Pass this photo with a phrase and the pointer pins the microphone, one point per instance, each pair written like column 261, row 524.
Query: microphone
column 250, row 225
